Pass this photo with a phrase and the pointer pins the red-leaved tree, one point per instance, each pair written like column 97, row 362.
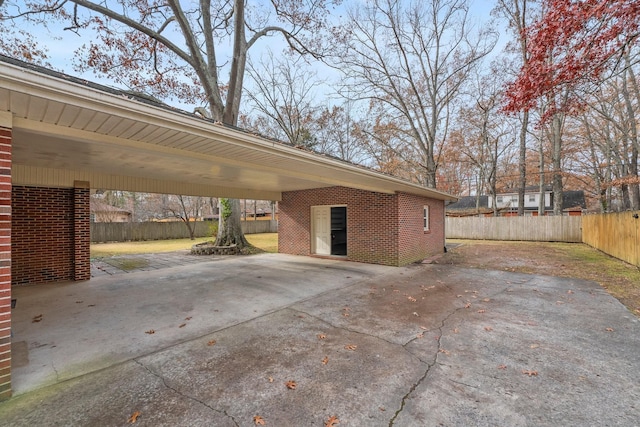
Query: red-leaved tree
column 571, row 47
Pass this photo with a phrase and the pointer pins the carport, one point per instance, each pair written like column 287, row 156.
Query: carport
column 61, row 136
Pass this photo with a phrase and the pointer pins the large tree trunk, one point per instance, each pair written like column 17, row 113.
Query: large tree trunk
column 556, row 133
column 230, row 224
column 634, row 188
column 522, row 162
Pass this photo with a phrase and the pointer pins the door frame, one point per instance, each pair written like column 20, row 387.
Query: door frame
column 312, row 231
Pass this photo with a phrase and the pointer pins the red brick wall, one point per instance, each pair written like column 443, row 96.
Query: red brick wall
column 43, row 241
column 415, row 243
column 371, row 233
column 379, row 230
column 82, row 231
column 5, row 263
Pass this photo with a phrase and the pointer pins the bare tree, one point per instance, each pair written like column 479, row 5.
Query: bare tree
column 413, row 59
column 517, row 14
column 284, row 94
column 490, row 134
column 188, row 209
column 172, row 48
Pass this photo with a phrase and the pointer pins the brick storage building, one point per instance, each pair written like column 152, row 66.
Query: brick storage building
column 365, row 226
column 61, row 136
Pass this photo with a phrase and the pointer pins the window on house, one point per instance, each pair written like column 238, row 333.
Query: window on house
column 514, row 199
column 532, row 197
column 499, row 199
column 425, row 218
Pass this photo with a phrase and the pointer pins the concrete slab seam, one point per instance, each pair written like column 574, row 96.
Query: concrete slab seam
column 427, row 371
column 186, row 396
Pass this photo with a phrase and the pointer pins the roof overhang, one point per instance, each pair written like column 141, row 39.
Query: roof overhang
column 65, row 131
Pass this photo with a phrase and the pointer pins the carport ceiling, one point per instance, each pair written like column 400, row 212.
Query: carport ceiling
column 67, row 130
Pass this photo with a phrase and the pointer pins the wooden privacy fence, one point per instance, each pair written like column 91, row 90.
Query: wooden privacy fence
column 135, row 231
column 526, row 228
column 616, row 234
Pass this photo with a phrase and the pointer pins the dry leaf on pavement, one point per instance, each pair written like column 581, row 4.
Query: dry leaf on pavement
column 291, row 385
column 134, row 417
column 332, row 421
column 259, row 421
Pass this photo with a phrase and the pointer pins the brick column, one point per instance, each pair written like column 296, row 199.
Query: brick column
column 82, row 230
column 5, row 256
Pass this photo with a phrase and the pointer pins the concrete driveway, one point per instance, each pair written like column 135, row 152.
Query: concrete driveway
column 295, row 341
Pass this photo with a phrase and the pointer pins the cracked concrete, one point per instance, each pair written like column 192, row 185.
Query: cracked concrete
column 425, row 345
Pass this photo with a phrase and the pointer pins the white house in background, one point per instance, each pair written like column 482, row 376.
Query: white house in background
column 531, row 198
column 573, row 202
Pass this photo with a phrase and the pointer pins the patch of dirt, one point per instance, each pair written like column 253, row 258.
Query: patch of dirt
column 577, row 260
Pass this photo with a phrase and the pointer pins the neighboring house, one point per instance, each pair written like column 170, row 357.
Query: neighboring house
column 573, row 203
column 469, row 206
column 102, row 212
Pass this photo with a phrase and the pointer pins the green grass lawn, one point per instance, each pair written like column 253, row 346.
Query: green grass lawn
column 268, row 242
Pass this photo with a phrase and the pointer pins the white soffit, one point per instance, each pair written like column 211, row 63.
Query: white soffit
column 64, row 131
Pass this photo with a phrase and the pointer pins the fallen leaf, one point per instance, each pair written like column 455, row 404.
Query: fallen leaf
column 416, row 314
column 442, row 350
column 351, row 347
column 412, row 299
column 424, row 328
column 182, row 326
column 488, row 328
column 270, row 379
column 456, row 330
column 332, row 421
column 91, row 305
column 291, row 385
column 609, row 329
column 188, row 318
column 212, row 342
column 382, row 408
column 467, row 305
column 79, row 302
column 325, row 360
column 530, row 373
column 37, row 318
column 458, row 296
column 321, row 336
column 534, row 346
column 258, row 420
column 150, row 331
column 134, row 417
column 482, row 311
column 486, row 300
column 569, row 291
column 502, row 366
column 420, row 335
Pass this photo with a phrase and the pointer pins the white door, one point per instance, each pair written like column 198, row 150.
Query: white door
column 321, row 237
